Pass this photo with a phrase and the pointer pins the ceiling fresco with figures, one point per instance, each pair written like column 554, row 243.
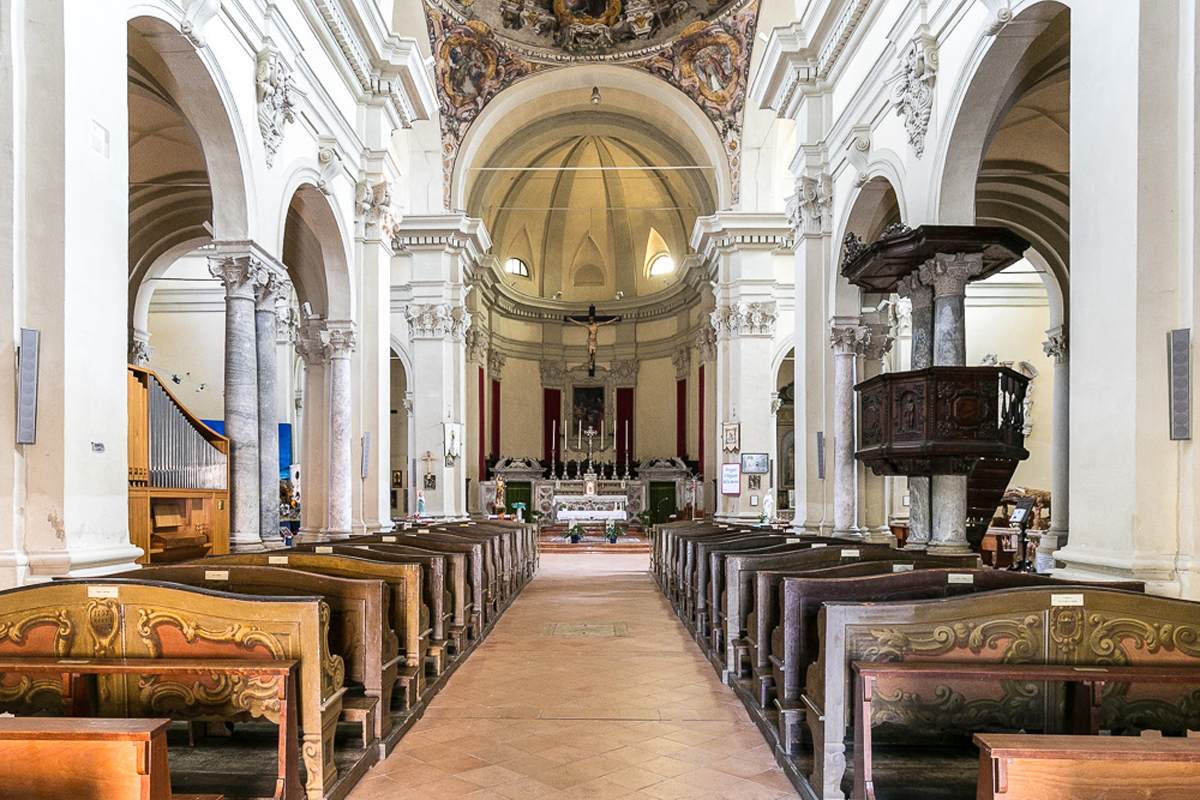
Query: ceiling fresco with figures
column 483, row 47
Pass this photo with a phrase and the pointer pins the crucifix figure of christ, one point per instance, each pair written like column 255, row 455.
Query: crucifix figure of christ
column 593, row 324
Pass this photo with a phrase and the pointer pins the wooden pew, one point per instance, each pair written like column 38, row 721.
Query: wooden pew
column 86, row 759
column 481, row 576
column 410, row 617
column 433, row 581
column 360, row 628
column 493, row 600
column 1082, row 627
column 458, row 585
column 1084, row 686
column 162, row 627
column 1017, row 766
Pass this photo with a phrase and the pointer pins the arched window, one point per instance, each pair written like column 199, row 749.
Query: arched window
column 515, row 266
column 662, row 265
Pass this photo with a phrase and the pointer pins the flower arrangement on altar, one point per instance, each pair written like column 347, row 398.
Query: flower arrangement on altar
column 611, row 532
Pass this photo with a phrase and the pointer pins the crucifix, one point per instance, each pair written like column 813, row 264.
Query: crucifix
column 430, row 478
column 593, row 324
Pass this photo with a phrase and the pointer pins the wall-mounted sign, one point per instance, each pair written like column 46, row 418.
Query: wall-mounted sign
column 731, row 479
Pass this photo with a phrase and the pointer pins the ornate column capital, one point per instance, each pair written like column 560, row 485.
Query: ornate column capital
column 683, row 362
column 320, row 341
column 496, row 361
column 1056, row 346
column 948, row 273
column 140, row 351
column 917, row 294
column 810, row 209
column 849, row 340
column 268, row 291
column 554, row 373
column 879, row 341
column 477, row 345
column 437, row 321
column 745, row 319
column 241, row 274
column 706, row 343
column 912, row 87
column 373, row 209
column 277, row 97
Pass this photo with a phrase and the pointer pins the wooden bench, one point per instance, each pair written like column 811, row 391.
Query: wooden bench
column 410, row 617
column 1080, row 626
column 1084, row 686
column 795, row 643
column 433, row 581
column 86, row 759
column 1018, row 766
column 360, row 628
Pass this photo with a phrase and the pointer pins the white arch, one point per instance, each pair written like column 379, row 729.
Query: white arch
column 518, row 106
column 210, row 106
column 144, row 293
column 337, row 278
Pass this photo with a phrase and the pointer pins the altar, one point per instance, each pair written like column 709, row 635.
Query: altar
column 572, row 508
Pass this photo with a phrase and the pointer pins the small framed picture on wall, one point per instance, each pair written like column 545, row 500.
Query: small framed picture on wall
column 755, row 463
column 731, row 437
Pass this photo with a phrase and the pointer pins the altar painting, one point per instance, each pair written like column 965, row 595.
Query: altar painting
column 588, row 407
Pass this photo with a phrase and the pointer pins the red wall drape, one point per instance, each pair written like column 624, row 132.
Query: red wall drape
column 495, row 419
column 702, row 421
column 681, row 418
column 551, row 422
column 625, row 423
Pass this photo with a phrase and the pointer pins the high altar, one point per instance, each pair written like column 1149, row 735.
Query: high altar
column 591, row 499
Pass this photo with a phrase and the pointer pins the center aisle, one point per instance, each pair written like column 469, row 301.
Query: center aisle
column 587, row 687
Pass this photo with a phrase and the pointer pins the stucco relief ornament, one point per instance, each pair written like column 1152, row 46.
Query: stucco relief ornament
column 428, row 320
column 554, row 373
column 852, row 247
column 912, row 89
column 276, row 98
column 140, row 352
column 754, row 319
column 810, row 208
column 373, row 204
column 477, row 345
column 706, row 343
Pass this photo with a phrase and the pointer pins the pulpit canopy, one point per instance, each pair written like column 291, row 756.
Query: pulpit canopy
column 880, row 266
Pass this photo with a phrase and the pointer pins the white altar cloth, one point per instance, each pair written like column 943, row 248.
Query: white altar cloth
column 588, row 514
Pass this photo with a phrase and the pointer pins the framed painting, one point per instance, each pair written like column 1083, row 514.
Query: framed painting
column 731, row 437
column 587, row 408
column 755, row 463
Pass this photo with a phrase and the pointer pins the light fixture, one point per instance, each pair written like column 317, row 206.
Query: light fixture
column 595, row 95
column 620, row 295
column 557, row 296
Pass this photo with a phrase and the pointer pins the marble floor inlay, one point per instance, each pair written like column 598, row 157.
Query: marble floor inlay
column 583, row 712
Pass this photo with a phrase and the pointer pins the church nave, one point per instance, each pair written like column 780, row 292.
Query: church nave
column 552, row 704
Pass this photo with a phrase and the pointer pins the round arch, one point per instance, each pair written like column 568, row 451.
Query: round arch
column 314, row 246
column 872, row 206
column 526, row 101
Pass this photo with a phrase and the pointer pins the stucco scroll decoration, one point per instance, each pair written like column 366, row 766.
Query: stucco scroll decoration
column 140, row 352
column 277, row 97
column 554, row 373
column 706, row 343
column 329, row 160
column 912, row 88
column 496, row 361
column 477, row 345
column 196, row 14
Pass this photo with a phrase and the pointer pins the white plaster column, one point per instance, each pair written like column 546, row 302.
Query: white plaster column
column 874, row 487
column 741, row 249
column 848, row 339
column 266, row 322
column 341, row 340
column 947, row 275
column 443, row 250
column 1060, row 450
column 65, row 269
column 243, row 273
column 920, row 296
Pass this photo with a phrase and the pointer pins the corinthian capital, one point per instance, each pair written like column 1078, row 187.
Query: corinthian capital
column 242, row 274
column 849, row 340
column 949, row 273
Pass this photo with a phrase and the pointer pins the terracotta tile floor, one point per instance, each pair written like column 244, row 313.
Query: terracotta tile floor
column 583, row 713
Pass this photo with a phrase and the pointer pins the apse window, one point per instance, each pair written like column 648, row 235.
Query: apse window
column 515, row 266
column 662, row 265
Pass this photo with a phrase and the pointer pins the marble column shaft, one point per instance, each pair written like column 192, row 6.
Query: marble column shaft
column 948, row 275
column 241, row 275
column 873, row 491
column 920, row 522
column 1060, row 450
column 848, row 341
column 265, row 323
column 341, row 474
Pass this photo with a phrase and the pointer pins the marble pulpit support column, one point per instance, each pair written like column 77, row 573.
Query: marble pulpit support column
column 267, row 294
column 242, row 275
column 848, row 339
column 1060, row 450
column 920, row 523
column 874, row 490
column 947, row 275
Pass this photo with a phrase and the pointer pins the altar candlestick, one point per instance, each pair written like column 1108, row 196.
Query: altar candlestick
column 553, row 439
column 579, row 442
column 626, row 440
column 601, row 434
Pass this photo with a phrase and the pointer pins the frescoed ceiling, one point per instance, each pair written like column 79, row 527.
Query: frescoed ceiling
column 482, row 47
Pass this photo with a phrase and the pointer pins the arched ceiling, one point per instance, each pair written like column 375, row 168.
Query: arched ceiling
column 1024, row 180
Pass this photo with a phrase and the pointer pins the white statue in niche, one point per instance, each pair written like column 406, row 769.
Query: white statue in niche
column 768, row 506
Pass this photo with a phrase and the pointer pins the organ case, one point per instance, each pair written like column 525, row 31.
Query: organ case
column 178, row 476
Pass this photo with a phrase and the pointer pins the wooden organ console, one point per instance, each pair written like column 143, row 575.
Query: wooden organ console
column 178, row 476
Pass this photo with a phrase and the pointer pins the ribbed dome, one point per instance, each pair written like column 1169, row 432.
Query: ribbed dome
column 589, row 212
